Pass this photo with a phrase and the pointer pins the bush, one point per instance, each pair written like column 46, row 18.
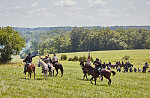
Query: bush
column 70, row 59
column 63, row 57
column 126, row 57
column 83, row 58
column 75, row 58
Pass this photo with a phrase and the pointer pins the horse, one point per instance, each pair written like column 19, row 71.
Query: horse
column 135, row 69
column 84, row 68
column 94, row 73
column 139, row 70
column 105, row 73
column 112, row 66
column 58, row 66
column 45, row 68
column 130, row 69
column 30, row 69
column 119, row 69
column 144, row 68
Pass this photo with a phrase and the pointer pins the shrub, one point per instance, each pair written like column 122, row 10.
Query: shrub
column 70, row 59
column 83, row 58
column 63, row 57
column 75, row 58
column 126, row 57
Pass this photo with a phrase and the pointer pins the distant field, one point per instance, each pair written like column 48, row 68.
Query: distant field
column 131, row 85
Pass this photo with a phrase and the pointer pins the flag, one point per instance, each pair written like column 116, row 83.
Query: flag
column 89, row 56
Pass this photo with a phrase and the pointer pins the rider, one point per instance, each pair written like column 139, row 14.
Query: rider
column 98, row 66
column 28, row 61
column 47, row 60
column 54, row 59
column 145, row 66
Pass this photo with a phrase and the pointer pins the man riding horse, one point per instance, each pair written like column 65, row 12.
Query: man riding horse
column 98, row 66
column 54, row 59
column 28, row 61
column 47, row 60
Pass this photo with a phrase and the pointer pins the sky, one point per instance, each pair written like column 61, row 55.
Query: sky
column 54, row 13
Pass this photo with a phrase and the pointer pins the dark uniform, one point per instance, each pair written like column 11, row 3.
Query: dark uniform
column 28, row 61
column 98, row 65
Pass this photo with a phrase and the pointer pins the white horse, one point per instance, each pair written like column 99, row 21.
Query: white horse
column 45, row 68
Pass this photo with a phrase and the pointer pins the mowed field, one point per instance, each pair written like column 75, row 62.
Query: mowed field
column 131, row 85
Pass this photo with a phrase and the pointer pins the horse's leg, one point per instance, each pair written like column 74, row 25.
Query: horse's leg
column 95, row 80
column 101, row 78
column 83, row 76
column 109, row 81
column 107, row 76
column 86, row 76
column 53, row 73
column 57, row 72
column 44, row 74
column 61, row 69
column 91, row 80
column 34, row 74
column 30, row 75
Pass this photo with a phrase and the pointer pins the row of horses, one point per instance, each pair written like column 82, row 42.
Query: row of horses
column 45, row 69
column 128, row 67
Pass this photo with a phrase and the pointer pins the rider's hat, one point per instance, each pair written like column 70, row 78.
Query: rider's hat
column 97, row 59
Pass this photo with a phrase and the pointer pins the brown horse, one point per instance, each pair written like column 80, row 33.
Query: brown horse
column 30, row 69
column 58, row 66
column 85, row 68
column 94, row 73
column 105, row 73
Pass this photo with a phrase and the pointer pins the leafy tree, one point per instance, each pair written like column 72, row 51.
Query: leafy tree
column 10, row 43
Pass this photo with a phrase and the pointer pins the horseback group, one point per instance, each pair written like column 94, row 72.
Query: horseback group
column 48, row 65
column 97, row 71
column 128, row 67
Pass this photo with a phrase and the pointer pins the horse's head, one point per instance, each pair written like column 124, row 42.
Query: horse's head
column 82, row 63
column 39, row 63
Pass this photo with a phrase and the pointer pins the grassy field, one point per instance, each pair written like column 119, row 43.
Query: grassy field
column 14, row 84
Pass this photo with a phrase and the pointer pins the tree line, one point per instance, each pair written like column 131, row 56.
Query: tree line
column 95, row 39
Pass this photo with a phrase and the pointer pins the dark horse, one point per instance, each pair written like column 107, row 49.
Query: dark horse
column 84, row 69
column 30, row 69
column 58, row 66
column 94, row 73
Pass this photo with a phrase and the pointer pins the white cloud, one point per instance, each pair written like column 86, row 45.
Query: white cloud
column 14, row 7
column 34, row 4
column 132, row 5
column 41, row 9
column 148, row 3
column 111, row 13
column 95, row 3
column 66, row 3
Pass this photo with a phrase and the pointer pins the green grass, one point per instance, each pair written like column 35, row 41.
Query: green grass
column 136, row 85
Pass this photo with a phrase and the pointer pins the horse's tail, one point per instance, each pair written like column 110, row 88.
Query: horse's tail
column 113, row 72
column 61, row 69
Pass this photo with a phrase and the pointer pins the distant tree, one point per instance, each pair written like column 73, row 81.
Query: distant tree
column 10, row 43
column 63, row 57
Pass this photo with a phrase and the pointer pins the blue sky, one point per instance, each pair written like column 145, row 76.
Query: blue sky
column 40, row 13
